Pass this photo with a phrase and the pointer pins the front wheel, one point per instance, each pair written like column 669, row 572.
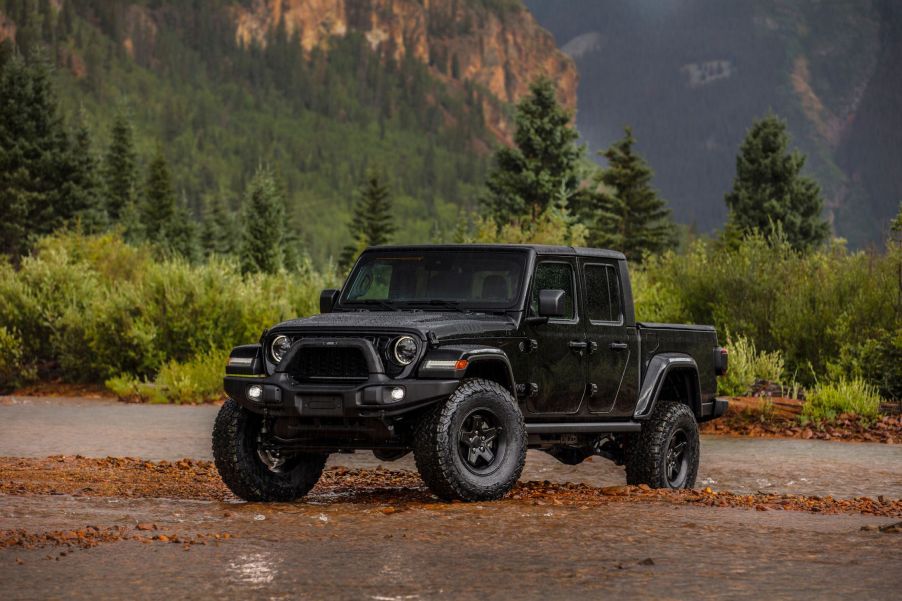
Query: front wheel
column 472, row 447
column 254, row 473
column 665, row 454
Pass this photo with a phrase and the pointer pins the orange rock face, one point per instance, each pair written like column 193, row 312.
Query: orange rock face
column 501, row 50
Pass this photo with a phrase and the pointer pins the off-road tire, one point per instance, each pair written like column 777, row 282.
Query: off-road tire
column 235, row 455
column 646, row 453
column 436, row 441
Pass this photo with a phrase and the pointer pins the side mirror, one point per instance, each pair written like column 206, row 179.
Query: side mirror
column 327, row 300
column 551, row 303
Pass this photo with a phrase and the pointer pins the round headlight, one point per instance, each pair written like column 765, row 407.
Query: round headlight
column 405, row 350
column 279, row 347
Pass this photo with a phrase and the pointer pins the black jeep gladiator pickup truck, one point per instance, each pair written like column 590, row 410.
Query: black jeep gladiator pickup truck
column 468, row 355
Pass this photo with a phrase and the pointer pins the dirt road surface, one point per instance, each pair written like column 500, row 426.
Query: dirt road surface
column 81, row 528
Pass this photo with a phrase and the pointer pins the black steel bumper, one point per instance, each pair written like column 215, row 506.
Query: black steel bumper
column 714, row 409
column 281, row 395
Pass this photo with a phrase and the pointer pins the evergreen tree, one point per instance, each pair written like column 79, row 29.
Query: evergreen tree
column 158, row 206
column 769, row 193
column 372, row 222
column 43, row 184
column 544, row 163
column 626, row 213
column 263, row 221
column 218, row 235
column 85, row 181
column 120, row 169
column 180, row 234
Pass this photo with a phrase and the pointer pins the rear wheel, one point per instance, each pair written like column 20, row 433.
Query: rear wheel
column 473, row 446
column 665, row 454
column 252, row 472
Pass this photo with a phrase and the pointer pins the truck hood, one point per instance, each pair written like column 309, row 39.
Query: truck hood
column 444, row 325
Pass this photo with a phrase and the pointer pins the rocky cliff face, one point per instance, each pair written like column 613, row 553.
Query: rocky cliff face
column 500, row 49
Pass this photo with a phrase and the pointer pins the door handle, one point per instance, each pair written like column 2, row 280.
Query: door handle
column 618, row 346
column 578, row 345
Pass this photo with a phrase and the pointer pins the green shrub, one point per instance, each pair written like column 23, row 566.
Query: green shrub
column 831, row 399
column 13, row 371
column 91, row 308
column 196, row 381
column 746, row 365
column 807, row 305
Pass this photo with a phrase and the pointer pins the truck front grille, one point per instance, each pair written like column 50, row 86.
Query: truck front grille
column 339, row 363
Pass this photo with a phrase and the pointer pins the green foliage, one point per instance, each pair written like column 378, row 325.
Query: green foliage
column 89, row 308
column 11, row 365
column 553, row 226
column 829, row 400
column 198, row 380
column 624, row 211
column 373, row 222
column 810, row 306
column 769, row 192
column 263, row 218
column 746, row 365
column 543, row 165
column 43, row 179
column 120, row 169
column 219, row 108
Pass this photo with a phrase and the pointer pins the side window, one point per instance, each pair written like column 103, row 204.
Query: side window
column 554, row 276
column 602, row 293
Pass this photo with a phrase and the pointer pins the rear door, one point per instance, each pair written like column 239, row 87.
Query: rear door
column 613, row 344
column 557, row 366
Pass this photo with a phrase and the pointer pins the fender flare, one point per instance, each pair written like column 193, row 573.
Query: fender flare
column 658, row 369
column 441, row 363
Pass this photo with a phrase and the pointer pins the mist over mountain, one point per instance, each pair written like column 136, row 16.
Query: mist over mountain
column 690, row 76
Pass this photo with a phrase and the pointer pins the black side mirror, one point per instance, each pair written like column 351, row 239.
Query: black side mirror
column 327, row 300
column 551, row 303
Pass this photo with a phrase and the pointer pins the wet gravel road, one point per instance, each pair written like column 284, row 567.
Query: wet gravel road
column 347, row 546
column 38, row 427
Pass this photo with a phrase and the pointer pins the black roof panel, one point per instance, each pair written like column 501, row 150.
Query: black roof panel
column 542, row 249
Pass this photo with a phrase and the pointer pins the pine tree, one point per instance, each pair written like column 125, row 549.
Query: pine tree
column 120, row 169
column 180, row 233
column 43, row 184
column 769, row 193
column 85, row 181
column 158, row 206
column 626, row 213
column 218, row 228
column 544, row 163
column 372, row 222
column 263, row 221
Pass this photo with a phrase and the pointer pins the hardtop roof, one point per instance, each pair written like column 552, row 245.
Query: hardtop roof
column 541, row 249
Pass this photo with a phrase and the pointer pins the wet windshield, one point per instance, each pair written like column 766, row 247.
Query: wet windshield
column 437, row 280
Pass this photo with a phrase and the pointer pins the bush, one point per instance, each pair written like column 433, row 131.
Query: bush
column 13, row 372
column 746, row 365
column 91, row 308
column 831, row 399
column 198, row 380
column 809, row 306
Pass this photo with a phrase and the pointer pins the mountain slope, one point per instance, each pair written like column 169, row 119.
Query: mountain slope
column 691, row 76
column 320, row 90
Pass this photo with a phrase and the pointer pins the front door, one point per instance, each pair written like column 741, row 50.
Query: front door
column 557, row 364
column 613, row 346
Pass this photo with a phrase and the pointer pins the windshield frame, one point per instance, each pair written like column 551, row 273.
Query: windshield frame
column 517, row 303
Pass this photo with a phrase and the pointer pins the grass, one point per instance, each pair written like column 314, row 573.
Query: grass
column 831, row 399
column 746, row 365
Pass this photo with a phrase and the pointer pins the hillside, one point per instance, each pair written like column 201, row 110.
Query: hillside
column 318, row 89
column 691, row 76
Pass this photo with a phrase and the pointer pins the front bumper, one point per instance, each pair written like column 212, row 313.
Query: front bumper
column 282, row 395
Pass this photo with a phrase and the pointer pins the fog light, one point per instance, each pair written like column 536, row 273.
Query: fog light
column 397, row 394
column 255, row 392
